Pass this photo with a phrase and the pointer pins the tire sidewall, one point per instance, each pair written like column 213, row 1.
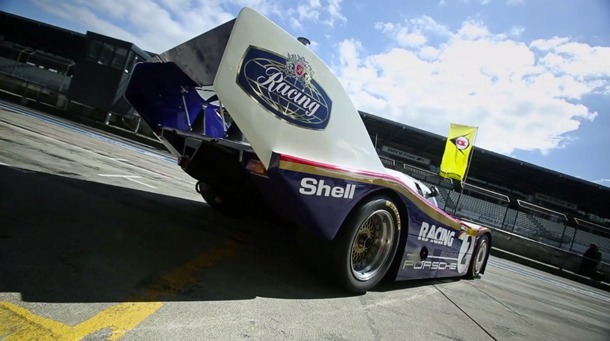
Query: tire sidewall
column 342, row 245
column 473, row 272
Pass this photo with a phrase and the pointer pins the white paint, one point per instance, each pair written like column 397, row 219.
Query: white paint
column 140, row 182
column 345, row 140
column 131, row 178
column 437, row 235
column 120, row 176
column 465, row 254
column 439, row 257
column 128, row 177
column 311, row 186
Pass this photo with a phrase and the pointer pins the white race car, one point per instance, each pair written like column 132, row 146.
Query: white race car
column 262, row 123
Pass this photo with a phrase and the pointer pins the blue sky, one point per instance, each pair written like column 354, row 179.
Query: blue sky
column 534, row 76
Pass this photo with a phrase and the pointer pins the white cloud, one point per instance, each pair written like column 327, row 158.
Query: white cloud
column 473, row 30
column 154, row 25
column 411, row 39
column 515, row 2
column 334, row 11
column 428, row 53
column 413, row 32
column 327, row 13
column 547, row 44
column 310, row 10
column 516, row 31
column 522, row 97
column 603, row 182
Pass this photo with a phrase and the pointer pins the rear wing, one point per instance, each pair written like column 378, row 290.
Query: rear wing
column 281, row 95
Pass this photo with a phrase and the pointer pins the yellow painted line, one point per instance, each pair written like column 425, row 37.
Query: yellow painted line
column 20, row 324
column 119, row 318
column 177, row 280
column 17, row 323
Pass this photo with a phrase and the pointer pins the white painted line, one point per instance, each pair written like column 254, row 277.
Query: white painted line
column 141, row 183
column 119, row 176
column 4, row 164
column 126, row 163
column 85, row 150
column 128, row 177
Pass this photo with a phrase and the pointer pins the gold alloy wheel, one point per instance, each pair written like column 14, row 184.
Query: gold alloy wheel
column 372, row 245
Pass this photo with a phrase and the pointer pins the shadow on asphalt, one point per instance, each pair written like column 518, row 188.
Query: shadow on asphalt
column 69, row 240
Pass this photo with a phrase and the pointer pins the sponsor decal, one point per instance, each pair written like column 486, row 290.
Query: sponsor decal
column 286, row 87
column 405, row 155
column 395, row 210
column 551, row 200
column 430, row 265
column 386, row 161
column 311, row 186
column 466, row 250
column 461, row 143
column 436, row 234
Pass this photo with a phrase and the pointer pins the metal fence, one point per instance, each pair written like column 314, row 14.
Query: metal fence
column 517, row 216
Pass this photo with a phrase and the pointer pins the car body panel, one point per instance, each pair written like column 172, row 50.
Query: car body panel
column 318, row 162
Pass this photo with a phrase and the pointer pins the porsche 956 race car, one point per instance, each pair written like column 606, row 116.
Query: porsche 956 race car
column 262, row 123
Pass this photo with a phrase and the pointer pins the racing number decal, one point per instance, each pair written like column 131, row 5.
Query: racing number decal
column 465, row 253
column 462, row 256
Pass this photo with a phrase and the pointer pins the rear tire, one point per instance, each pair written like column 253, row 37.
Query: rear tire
column 479, row 258
column 365, row 246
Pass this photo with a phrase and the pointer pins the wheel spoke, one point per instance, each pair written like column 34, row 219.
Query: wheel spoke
column 372, row 245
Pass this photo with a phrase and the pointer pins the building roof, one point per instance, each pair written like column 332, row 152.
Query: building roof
column 44, row 37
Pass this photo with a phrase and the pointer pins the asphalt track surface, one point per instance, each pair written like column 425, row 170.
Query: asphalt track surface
column 103, row 238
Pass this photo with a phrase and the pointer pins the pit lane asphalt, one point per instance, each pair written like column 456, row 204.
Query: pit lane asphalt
column 102, row 238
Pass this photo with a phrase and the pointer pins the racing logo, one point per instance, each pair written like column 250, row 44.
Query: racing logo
column 285, row 87
column 436, row 235
column 430, row 265
column 461, row 143
column 311, row 186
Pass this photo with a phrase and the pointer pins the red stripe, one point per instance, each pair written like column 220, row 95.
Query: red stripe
column 289, row 158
